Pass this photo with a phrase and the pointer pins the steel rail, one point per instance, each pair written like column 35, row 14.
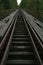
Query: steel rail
column 36, row 37
column 34, row 46
column 8, row 46
column 6, row 35
column 39, row 61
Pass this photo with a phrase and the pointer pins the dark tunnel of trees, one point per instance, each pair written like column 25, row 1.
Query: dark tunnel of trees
column 7, row 4
column 34, row 7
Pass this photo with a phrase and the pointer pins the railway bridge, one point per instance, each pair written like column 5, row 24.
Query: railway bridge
column 21, row 39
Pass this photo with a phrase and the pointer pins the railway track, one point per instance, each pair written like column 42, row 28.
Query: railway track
column 21, row 48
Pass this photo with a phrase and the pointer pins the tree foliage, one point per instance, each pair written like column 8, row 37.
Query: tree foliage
column 35, row 5
column 8, row 4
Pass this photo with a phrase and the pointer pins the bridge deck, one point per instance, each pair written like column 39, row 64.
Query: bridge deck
column 36, row 24
column 5, row 23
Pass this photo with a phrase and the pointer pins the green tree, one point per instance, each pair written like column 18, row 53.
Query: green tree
column 12, row 3
column 8, row 4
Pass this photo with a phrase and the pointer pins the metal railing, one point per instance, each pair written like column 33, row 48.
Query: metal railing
column 8, row 45
column 38, row 58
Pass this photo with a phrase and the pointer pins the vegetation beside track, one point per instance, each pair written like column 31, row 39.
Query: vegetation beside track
column 34, row 7
column 6, row 12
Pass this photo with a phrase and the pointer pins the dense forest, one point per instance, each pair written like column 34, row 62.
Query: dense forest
column 8, row 4
column 34, row 5
column 6, row 7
